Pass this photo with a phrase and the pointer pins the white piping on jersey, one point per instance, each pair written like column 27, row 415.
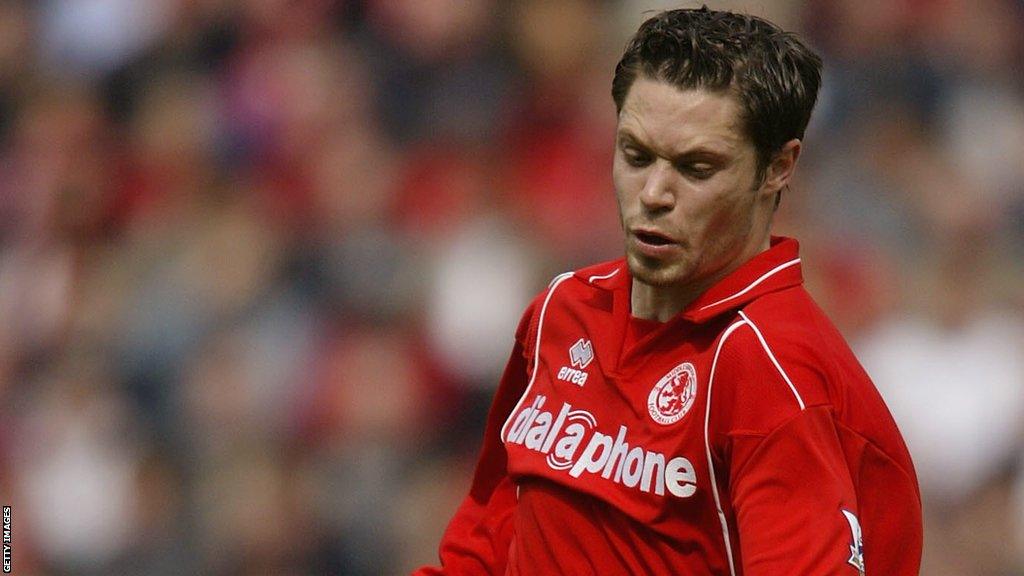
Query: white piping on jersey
column 764, row 344
column 604, row 277
column 536, row 356
column 707, row 445
column 751, row 286
column 555, row 281
column 707, row 413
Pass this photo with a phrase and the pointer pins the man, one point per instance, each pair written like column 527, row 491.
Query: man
column 689, row 409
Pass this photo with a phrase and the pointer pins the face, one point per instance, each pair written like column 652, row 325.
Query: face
column 685, row 175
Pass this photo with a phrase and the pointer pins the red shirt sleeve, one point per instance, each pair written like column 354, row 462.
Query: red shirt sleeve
column 478, row 537
column 785, row 475
column 794, row 500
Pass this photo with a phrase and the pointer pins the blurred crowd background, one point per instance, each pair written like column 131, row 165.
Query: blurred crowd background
column 261, row 260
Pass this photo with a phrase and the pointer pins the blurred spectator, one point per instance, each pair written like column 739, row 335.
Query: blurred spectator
column 92, row 37
column 76, row 449
column 951, row 371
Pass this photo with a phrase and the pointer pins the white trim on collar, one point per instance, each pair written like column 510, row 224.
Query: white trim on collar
column 603, row 277
column 751, row 286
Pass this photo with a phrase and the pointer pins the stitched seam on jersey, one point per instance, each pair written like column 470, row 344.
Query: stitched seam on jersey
column 771, row 356
column 707, row 446
column 604, row 277
column 746, row 434
column 536, row 353
column 876, row 446
column 753, row 284
column 787, row 421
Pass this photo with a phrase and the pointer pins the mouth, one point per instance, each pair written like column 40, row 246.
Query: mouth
column 651, row 243
column 652, row 238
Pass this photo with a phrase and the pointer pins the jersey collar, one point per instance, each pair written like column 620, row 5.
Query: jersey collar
column 774, row 269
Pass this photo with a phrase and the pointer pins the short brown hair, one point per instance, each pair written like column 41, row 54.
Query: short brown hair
column 774, row 75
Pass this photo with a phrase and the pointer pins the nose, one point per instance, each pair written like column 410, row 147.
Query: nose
column 658, row 194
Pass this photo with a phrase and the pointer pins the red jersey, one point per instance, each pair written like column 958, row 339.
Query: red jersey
column 740, row 437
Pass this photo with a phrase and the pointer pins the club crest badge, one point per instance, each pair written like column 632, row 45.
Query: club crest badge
column 672, row 397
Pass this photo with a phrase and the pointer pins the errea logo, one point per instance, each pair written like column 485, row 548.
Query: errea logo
column 581, row 354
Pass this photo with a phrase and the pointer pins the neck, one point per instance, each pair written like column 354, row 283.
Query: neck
column 663, row 302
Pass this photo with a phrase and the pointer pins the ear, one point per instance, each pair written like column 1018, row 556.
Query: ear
column 780, row 170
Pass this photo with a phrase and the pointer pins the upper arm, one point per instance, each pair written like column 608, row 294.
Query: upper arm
column 792, row 497
column 794, row 500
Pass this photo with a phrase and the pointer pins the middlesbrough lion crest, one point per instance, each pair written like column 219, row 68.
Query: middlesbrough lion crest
column 672, row 397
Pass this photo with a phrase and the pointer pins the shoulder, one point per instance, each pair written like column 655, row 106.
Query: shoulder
column 788, row 345
column 775, row 359
column 565, row 287
column 605, row 276
column 754, row 384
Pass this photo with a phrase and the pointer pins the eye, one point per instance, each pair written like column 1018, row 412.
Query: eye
column 698, row 170
column 635, row 157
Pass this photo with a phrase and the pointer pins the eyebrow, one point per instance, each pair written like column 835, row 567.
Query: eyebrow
column 698, row 152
